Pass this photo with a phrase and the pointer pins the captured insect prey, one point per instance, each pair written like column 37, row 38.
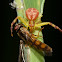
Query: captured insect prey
column 30, row 39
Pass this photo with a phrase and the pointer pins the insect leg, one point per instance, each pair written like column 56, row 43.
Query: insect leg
column 36, row 36
column 22, row 20
column 15, row 20
column 48, row 23
column 39, row 32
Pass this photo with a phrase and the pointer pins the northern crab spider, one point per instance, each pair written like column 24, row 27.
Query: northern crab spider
column 34, row 20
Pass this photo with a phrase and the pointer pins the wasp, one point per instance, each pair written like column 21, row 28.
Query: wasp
column 30, row 39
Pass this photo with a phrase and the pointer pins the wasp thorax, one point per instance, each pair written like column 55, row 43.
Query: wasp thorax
column 32, row 13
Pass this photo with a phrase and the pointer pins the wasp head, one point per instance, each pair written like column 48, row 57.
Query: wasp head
column 17, row 26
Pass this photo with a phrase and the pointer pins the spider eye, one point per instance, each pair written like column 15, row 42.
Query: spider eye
column 32, row 13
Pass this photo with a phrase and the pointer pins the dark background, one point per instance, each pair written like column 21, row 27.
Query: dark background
column 52, row 37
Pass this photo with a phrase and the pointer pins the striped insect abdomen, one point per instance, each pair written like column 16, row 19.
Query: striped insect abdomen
column 40, row 46
column 27, row 37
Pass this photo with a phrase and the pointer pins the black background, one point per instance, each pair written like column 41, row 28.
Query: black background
column 52, row 37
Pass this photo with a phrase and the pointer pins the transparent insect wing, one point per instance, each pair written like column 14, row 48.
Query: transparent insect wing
column 21, row 53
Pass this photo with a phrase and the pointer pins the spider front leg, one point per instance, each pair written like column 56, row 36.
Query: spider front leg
column 48, row 23
column 15, row 20
column 37, row 36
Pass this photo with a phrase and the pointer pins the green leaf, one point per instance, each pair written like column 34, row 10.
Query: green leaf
column 31, row 54
column 38, row 4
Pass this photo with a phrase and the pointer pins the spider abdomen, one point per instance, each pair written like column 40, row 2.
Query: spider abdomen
column 32, row 13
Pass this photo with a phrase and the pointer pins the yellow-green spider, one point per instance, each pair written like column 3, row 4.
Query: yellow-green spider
column 32, row 20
